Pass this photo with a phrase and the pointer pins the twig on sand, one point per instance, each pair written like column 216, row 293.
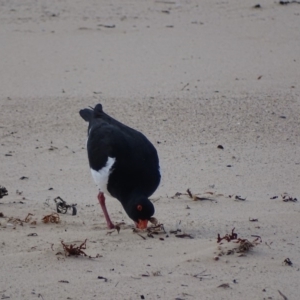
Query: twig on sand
column 141, row 236
column 283, row 296
column 195, row 198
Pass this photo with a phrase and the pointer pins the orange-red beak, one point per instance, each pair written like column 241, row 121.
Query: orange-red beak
column 142, row 224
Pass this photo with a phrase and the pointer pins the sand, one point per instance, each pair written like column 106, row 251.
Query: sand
column 191, row 75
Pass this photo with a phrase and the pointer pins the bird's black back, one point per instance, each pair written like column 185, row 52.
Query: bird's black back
column 136, row 168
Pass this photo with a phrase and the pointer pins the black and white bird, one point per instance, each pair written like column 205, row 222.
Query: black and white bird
column 124, row 165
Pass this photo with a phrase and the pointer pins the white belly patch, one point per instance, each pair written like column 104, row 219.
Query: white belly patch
column 101, row 176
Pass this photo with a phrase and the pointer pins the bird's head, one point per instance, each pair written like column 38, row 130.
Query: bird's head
column 140, row 210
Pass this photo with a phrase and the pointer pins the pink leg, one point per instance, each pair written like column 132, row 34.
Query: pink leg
column 101, row 199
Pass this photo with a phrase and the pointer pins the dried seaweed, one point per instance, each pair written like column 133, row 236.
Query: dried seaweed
column 3, row 191
column 139, row 234
column 16, row 221
column 244, row 245
column 288, row 2
column 72, row 250
column 184, row 235
column 62, row 206
column 287, row 198
column 153, row 220
column 28, row 218
column 177, row 195
column 288, row 262
column 156, row 273
column 192, row 196
column 156, row 229
column 236, row 197
column 283, row 296
column 101, row 277
column 239, row 198
column 52, row 218
column 175, row 231
column 228, row 237
column 224, row 285
column 195, row 198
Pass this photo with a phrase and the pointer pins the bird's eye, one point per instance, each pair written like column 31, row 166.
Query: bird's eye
column 139, row 207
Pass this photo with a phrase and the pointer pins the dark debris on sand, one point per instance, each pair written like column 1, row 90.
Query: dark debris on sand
column 3, row 191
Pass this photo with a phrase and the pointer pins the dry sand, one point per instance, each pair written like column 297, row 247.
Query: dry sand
column 191, row 75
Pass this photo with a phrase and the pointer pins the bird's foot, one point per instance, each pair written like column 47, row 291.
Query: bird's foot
column 110, row 225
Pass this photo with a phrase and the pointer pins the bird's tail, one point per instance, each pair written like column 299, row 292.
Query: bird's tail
column 98, row 111
column 89, row 113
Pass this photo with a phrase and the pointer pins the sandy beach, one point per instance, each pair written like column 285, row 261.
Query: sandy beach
column 214, row 85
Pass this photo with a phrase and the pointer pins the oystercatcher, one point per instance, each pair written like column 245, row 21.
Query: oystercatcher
column 124, row 164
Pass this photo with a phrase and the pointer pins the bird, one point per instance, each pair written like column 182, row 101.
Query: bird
column 124, row 164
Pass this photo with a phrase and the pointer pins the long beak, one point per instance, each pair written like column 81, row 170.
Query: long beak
column 142, row 224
